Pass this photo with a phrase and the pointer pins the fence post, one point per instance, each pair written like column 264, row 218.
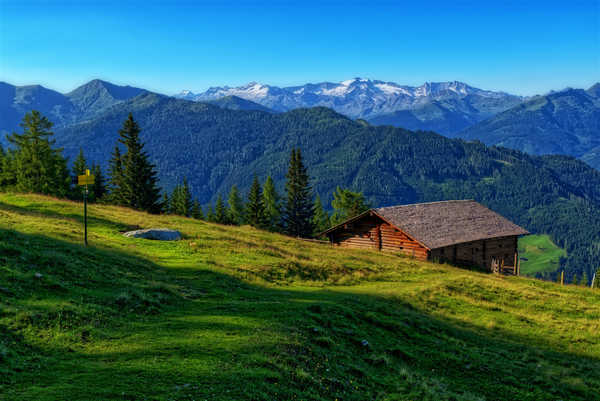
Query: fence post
column 562, row 277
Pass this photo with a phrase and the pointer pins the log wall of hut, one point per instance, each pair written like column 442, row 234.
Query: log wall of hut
column 480, row 253
column 371, row 232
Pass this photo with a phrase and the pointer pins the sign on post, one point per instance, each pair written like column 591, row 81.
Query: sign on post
column 85, row 180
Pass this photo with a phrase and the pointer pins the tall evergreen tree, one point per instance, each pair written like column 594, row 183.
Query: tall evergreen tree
column 197, row 210
column 181, row 200
column 255, row 209
column 117, row 195
column 80, row 164
column 347, row 204
column 139, row 181
column 321, row 220
column 166, row 203
column 210, row 214
column 38, row 167
column 298, row 208
column 220, row 211
column 99, row 186
column 236, row 207
column 272, row 203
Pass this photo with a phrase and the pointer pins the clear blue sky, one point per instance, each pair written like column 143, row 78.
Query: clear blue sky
column 523, row 47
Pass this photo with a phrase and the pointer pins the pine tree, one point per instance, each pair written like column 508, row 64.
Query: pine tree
column 272, row 203
column 116, row 178
column 197, row 210
column 321, row 220
column 298, row 210
column 210, row 214
column 37, row 166
column 255, row 209
column 584, row 279
column 79, row 165
column 220, row 211
column 166, row 204
column 139, row 182
column 347, row 204
column 99, row 186
column 236, row 207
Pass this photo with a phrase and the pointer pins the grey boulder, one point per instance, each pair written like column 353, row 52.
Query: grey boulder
column 159, row 234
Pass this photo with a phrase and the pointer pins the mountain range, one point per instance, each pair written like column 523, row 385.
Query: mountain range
column 565, row 122
column 446, row 107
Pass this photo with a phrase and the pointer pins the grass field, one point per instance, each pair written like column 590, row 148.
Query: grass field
column 539, row 254
column 237, row 313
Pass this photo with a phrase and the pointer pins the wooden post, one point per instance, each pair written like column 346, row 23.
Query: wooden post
column 85, row 194
column 562, row 277
column 515, row 265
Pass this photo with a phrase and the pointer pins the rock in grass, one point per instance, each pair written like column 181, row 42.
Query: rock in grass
column 159, row 234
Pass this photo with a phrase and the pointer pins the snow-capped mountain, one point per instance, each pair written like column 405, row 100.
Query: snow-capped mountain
column 362, row 98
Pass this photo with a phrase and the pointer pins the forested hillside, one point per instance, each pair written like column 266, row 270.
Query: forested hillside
column 566, row 122
column 216, row 148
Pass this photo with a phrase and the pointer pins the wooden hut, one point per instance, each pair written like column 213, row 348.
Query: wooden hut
column 460, row 232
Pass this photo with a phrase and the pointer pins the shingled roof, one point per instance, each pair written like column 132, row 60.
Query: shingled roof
column 440, row 224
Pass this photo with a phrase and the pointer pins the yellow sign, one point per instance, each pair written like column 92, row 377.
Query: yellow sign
column 85, row 179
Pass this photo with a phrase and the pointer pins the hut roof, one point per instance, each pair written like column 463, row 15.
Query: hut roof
column 440, row 224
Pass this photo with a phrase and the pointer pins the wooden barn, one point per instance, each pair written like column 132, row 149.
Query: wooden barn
column 460, row 232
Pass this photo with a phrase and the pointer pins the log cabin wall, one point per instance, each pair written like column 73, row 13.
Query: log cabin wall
column 479, row 253
column 371, row 232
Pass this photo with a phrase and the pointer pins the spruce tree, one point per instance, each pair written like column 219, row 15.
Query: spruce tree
column 220, row 211
column 99, row 186
column 197, row 210
column 584, row 279
column 255, row 209
column 165, row 204
column 321, row 220
column 210, row 214
column 272, row 203
column 116, row 178
column 139, row 182
column 298, row 208
column 236, row 207
column 79, row 165
column 38, row 166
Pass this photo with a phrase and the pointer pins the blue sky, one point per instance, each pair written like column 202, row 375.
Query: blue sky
column 523, row 47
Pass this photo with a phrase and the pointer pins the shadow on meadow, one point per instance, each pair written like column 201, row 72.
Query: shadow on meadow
column 90, row 323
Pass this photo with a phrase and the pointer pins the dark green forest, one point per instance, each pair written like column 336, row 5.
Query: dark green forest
column 216, row 148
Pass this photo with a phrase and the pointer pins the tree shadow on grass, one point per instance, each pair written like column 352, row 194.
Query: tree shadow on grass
column 105, row 324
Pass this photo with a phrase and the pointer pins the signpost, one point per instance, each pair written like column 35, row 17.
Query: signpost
column 85, row 180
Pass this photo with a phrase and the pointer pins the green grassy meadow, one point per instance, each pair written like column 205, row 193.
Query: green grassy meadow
column 539, row 254
column 233, row 313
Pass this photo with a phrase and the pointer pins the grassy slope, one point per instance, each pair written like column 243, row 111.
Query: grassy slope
column 236, row 313
column 541, row 253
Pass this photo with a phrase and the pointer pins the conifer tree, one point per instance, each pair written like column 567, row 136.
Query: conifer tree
column 79, row 165
column 347, row 204
column 99, row 186
column 116, row 178
column 197, row 210
column 210, row 214
column 220, row 211
column 181, row 200
column 236, row 207
column 255, row 209
column 139, row 182
column 321, row 217
column 272, row 203
column 36, row 165
column 298, row 209
column 584, row 279
column 166, row 204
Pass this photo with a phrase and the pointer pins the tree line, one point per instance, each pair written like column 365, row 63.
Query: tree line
column 34, row 164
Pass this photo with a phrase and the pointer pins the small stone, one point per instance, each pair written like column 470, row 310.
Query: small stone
column 38, row 275
column 364, row 343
